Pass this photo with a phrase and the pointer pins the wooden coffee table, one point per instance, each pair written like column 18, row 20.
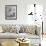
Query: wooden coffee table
column 24, row 43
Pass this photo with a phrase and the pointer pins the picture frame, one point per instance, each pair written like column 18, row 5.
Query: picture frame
column 10, row 12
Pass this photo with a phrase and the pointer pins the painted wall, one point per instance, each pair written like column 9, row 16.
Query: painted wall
column 21, row 10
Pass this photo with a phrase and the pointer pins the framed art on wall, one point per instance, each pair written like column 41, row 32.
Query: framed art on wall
column 10, row 12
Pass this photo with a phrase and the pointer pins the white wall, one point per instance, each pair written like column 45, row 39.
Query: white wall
column 21, row 10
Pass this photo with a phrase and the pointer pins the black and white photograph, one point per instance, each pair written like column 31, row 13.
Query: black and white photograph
column 10, row 12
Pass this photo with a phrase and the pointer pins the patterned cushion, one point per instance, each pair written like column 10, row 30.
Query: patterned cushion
column 13, row 29
column 6, row 28
column 9, row 28
column 30, row 29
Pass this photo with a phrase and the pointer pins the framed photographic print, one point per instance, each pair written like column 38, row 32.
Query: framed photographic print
column 10, row 12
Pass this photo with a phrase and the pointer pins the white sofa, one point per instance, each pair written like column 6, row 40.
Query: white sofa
column 28, row 31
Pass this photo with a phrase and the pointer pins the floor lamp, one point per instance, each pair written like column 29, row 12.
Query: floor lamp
column 42, row 26
column 31, row 13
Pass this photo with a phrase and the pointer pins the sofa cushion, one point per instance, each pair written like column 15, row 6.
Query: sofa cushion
column 30, row 29
column 9, row 28
column 1, row 30
column 22, row 29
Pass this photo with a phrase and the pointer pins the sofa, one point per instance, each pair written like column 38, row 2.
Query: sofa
column 17, row 30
